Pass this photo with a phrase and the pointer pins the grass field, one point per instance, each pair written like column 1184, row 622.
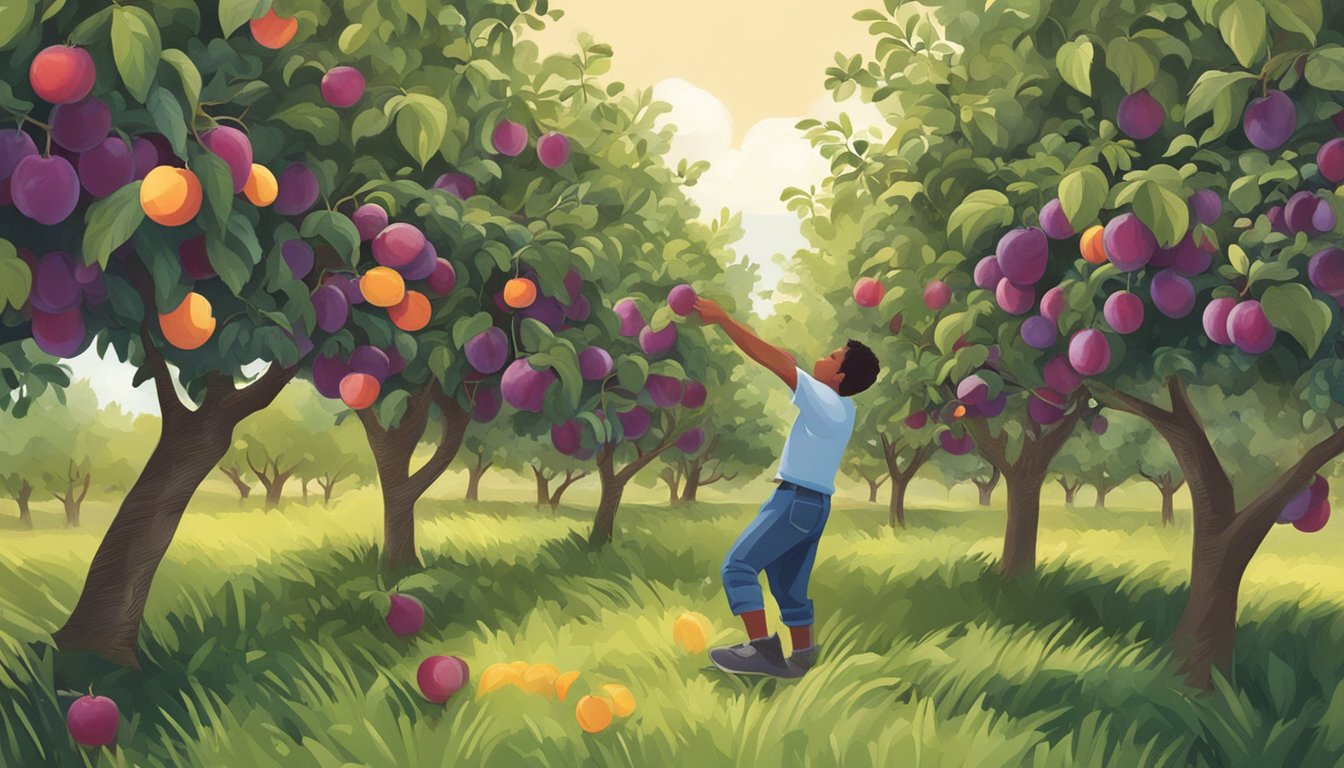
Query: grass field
column 260, row 652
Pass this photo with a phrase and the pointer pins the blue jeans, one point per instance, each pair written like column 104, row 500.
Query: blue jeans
column 782, row 541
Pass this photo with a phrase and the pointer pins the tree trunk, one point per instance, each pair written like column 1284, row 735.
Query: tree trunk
column 1070, row 490
column 327, row 488
column 1206, row 633
column 872, row 491
column 244, row 490
column 392, row 452
column 25, row 513
column 1168, row 505
column 986, row 487
column 543, row 487
column 106, row 619
column 305, row 490
column 1102, row 489
column 896, row 507
column 690, row 488
column 671, row 490
column 1024, row 514
column 275, row 486
column 571, row 477
column 613, row 487
column 474, row 475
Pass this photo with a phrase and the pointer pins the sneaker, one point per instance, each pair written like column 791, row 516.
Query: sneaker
column 801, row 661
column 754, row 657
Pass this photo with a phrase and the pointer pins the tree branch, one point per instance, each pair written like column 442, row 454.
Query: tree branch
column 1121, row 401
column 453, row 430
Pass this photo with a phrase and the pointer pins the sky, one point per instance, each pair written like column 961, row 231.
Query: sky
column 739, row 75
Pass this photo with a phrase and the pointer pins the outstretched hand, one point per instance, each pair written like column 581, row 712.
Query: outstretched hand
column 710, row 312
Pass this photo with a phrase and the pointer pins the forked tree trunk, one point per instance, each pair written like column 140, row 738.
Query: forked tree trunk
column 986, row 487
column 1225, row 537
column 672, row 477
column 304, row 486
column 873, row 486
column 1024, row 477
column 901, row 476
column 236, row 475
column 1168, row 507
column 106, row 618
column 543, row 486
column 613, row 486
column 1070, row 491
column 392, row 449
column 327, row 487
column 896, row 505
column 474, row 474
column 571, row 477
column 1102, row 489
column 690, row 486
column 275, row 486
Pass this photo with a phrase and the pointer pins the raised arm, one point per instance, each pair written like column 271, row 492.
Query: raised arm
column 763, row 352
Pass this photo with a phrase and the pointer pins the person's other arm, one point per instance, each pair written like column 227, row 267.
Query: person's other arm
column 766, row 354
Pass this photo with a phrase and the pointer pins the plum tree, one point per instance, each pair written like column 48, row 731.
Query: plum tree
column 1052, row 140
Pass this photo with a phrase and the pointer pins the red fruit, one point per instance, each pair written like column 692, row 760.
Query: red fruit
column 1013, row 298
column 1215, row 319
column 1022, row 255
column 868, row 292
column 359, row 390
column 343, row 86
column 93, row 721
column 509, row 138
column 1089, row 352
column 443, row 278
column 62, row 74
column 405, row 616
column 553, row 150
column 1139, row 115
column 937, row 294
column 439, row 677
column 235, row 149
column 682, row 299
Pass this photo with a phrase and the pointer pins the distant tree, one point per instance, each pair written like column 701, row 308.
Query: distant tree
column 276, row 442
column 864, row 461
column 951, row 470
column 234, row 467
column 480, row 456
column 338, row 452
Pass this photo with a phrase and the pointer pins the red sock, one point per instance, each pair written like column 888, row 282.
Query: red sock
column 755, row 622
column 802, row 637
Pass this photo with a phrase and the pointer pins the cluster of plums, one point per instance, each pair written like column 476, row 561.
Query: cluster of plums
column 1309, row 510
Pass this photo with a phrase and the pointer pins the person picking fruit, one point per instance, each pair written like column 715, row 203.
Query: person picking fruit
column 782, row 539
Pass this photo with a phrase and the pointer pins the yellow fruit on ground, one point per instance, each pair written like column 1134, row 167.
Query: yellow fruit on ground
column 520, row 292
column 593, row 714
column 170, row 196
column 191, row 324
column 497, row 676
column 520, row 667
column 622, row 700
column 261, row 187
column 691, row 632
column 1092, row 246
column 540, row 679
column 564, row 682
column 382, row 287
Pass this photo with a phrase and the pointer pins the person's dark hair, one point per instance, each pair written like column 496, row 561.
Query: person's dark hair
column 860, row 368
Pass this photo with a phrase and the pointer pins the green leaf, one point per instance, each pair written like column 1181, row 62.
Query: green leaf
column 111, row 222
column 370, row 122
column 982, row 211
column 217, row 188
column 440, row 361
column 1207, row 90
column 186, row 70
column 15, row 16
column 322, row 123
column 422, row 122
column 235, row 13
column 1243, row 27
column 1291, row 308
column 1164, row 211
column 234, row 254
column 1132, row 62
column 662, row 317
column 91, row 29
column 52, row 10
column 1238, row 259
column 337, row 229
column 534, row 335
column 468, row 328
column 16, row 279
column 1074, row 61
column 1325, row 68
column 1245, row 194
column 950, row 329
column 631, row 373
column 168, row 118
column 1082, row 193
column 1301, row 16
column 11, row 103
column 1180, row 144
column 392, row 407
column 135, row 48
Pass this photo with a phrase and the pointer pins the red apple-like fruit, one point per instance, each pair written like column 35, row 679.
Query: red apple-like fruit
column 93, row 721
column 405, row 616
column 439, row 677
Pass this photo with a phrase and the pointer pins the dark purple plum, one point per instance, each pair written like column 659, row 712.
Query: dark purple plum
column 657, row 343
column 423, row 265
column 59, row 334
column 1326, row 271
column 398, row 245
column 488, row 351
column 1054, row 223
column 566, row 436
column 1172, row 293
column 1022, row 255
column 1060, row 375
column 957, row 446
column 369, row 219
column 595, row 364
column 579, row 310
column 692, row 441
column 1013, row 298
column 632, row 322
column 1123, row 312
column 458, row 185
column 298, row 256
column 298, row 190
column 235, row 149
column 55, row 289
column 972, row 390
column 1298, row 211
column 635, row 423
column 987, row 273
column 1205, row 207
column 1249, row 329
column 372, row 361
column 1039, row 333
column 524, row 387
column 81, row 126
column 1129, row 242
column 1270, row 120
column 443, row 278
column 1329, row 161
column 15, row 145
column 107, row 167
column 486, row 405
column 194, row 258
column 694, row 395
column 331, row 307
column 45, row 189
column 1140, row 115
column 664, row 391
column 327, row 374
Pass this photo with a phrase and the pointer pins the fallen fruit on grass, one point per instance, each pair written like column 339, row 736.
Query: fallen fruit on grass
column 593, row 714
column 439, row 677
column 564, row 682
column 540, row 679
column 498, row 676
column 622, row 700
column 93, row 721
column 406, row 615
column 691, row 632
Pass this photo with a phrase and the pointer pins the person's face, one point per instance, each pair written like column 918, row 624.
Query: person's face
column 827, row 369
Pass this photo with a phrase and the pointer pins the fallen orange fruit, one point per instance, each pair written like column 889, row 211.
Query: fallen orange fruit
column 691, row 632
column 563, row 683
column 622, row 700
column 593, row 714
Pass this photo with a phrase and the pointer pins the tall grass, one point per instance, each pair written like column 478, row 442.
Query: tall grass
column 262, row 649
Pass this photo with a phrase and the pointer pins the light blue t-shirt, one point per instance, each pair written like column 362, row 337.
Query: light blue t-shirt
column 819, row 436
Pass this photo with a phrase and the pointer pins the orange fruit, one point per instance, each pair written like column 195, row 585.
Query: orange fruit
column 411, row 313
column 520, row 292
column 191, row 324
column 540, row 679
column 359, row 390
column 621, row 699
column 959, row 411
column 563, row 683
column 261, row 187
column 170, row 196
column 382, row 287
column 593, row 714
column 520, row 667
column 691, row 632
column 273, row 31
column 1091, row 245
column 497, row 676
